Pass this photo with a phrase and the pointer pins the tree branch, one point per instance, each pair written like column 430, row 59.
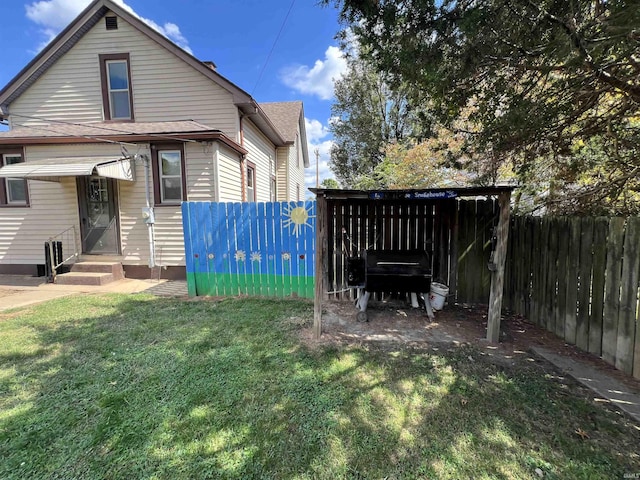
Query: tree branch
column 632, row 90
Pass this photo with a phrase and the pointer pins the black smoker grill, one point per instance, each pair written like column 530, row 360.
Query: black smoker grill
column 404, row 271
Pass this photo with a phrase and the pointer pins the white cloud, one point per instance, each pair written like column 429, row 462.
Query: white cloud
column 317, row 80
column 316, row 131
column 54, row 15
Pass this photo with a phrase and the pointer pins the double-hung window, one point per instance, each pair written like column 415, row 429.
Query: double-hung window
column 13, row 190
column 116, row 87
column 169, row 174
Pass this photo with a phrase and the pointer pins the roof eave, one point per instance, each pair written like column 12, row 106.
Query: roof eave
column 333, row 193
column 258, row 116
column 303, row 139
column 47, row 53
column 127, row 138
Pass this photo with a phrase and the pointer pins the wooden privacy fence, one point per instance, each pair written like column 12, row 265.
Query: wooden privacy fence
column 579, row 278
column 250, row 248
column 456, row 233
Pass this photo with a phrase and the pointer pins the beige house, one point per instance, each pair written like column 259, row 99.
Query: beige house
column 112, row 126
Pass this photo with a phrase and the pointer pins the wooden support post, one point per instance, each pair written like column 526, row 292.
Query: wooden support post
column 497, row 276
column 453, row 269
column 321, row 263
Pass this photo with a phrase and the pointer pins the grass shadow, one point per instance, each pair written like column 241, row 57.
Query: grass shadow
column 142, row 387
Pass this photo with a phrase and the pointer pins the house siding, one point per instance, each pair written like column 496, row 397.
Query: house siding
column 296, row 174
column 134, row 236
column 168, row 231
column 262, row 153
column 282, row 174
column 229, row 175
column 23, row 231
column 289, row 176
column 164, row 87
column 53, row 208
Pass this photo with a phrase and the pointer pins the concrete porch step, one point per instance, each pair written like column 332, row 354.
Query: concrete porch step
column 84, row 278
column 91, row 273
column 114, row 268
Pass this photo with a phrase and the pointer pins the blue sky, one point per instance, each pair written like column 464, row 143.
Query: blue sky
column 236, row 34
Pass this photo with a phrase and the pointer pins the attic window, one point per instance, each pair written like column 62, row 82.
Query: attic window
column 111, row 23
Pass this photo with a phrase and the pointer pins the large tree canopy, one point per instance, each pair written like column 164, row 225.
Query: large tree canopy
column 367, row 116
column 552, row 86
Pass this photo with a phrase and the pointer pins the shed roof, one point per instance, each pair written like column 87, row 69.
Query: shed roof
column 412, row 194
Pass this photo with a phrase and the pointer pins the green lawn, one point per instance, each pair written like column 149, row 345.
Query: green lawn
column 133, row 386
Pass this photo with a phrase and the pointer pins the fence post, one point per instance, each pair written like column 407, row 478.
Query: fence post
column 321, row 263
column 497, row 276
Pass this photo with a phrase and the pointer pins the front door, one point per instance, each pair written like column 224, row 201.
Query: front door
column 98, row 215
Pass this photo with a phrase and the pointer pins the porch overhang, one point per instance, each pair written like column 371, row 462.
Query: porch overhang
column 54, row 169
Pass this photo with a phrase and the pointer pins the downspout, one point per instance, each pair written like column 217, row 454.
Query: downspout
column 147, row 213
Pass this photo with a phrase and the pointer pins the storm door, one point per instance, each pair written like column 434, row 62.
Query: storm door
column 98, row 215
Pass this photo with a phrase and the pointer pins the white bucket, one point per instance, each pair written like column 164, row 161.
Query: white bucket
column 438, row 295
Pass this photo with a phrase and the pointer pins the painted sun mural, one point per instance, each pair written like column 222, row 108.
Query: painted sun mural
column 297, row 217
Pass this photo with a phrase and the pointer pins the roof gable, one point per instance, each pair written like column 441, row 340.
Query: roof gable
column 288, row 118
column 285, row 116
column 90, row 17
column 81, row 25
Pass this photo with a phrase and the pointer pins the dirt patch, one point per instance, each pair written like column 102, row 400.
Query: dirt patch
column 6, row 292
column 394, row 322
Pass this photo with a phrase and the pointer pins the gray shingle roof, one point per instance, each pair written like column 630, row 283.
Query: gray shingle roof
column 98, row 129
column 285, row 116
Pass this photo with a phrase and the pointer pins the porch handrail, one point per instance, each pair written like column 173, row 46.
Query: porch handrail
column 52, row 260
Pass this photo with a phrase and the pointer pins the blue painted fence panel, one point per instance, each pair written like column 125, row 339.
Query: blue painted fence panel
column 250, row 248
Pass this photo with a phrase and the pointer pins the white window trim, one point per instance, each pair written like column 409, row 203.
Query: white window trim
column 161, row 177
column 252, row 188
column 8, row 179
column 116, row 90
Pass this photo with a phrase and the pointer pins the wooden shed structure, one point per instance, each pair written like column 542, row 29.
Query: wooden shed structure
column 451, row 224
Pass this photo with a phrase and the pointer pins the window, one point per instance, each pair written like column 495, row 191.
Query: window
column 13, row 190
column 251, row 182
column 168, row 174
column 116, row 87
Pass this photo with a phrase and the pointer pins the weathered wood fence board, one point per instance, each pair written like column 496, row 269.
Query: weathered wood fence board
column 580, row 278
column 250, row 248
column 612, row 289
column 601, row 228
column 456, row 233
column 627, row 318
column 585, row 263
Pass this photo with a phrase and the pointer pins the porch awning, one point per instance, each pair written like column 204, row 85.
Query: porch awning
column 53, row 169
